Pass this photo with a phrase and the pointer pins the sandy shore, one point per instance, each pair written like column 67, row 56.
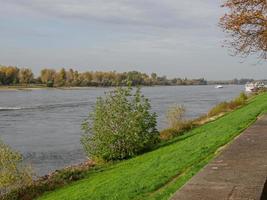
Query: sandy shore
column 18, row 88
column 12, row 88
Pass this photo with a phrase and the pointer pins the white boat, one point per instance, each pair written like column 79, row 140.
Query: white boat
column 250, row 87
column 254, row 86
column 218, row 86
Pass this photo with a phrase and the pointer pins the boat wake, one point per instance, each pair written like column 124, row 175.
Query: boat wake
column 10, row 108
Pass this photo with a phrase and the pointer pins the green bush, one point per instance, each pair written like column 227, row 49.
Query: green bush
column 121, row 126
column 49, row 182
column 13, row 173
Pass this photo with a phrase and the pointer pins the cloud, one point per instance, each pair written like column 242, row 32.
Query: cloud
column 156, row 13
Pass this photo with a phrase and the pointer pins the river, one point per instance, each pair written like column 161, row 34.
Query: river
column 44, row 124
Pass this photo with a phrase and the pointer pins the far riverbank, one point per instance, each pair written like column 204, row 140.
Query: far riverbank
column 44, row 87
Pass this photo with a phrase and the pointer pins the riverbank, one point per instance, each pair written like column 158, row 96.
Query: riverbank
column 167, row 168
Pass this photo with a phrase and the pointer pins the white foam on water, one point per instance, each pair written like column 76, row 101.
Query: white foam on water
column 11, row 108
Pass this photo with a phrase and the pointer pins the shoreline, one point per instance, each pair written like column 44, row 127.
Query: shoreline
column 39, row 87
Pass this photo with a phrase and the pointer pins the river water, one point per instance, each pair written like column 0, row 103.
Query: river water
column 44, row 125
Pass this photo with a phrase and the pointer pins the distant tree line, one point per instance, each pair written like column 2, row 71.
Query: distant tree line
column 10, row 75
column 235, row 81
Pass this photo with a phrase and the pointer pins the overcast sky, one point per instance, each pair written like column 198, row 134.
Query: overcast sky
column 176, row 38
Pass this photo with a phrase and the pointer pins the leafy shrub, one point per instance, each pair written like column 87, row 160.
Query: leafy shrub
column 50, row 182
column 13, row 173
column 121, row 126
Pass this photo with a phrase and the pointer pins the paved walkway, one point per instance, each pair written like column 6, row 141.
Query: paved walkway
column 238, row 173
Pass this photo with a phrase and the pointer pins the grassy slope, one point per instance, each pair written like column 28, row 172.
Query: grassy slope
column 158, row 174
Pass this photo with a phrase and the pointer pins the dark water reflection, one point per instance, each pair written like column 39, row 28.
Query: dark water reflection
column 45, row 124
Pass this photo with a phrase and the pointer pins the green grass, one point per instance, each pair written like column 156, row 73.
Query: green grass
column 158, row 174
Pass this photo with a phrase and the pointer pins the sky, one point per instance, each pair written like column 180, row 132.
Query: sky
column 176, row 38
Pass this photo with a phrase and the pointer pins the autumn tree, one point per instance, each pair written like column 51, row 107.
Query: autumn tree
column 69, row 77
column 246, row 23
column 97, row 78
column 48, row 76
column 86, row 78
column 9, row 75
column 61, row 77
column 25, row 75
column 76, row 78
column 135, row 77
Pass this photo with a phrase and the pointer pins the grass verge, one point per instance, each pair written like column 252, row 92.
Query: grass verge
column 158, row 174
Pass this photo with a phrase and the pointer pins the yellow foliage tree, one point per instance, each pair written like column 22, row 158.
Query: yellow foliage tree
column 13, row 173
column 25, row 75
column 246, row 22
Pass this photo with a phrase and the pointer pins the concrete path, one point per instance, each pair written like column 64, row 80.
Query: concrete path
column 238, row 173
